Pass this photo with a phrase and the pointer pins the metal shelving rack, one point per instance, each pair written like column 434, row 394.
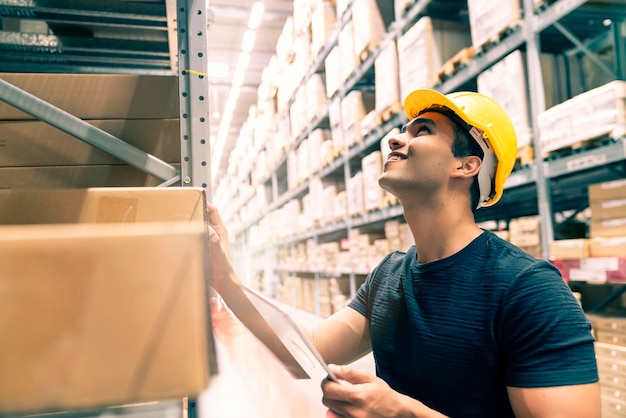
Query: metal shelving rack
column 182, row 52
column 532, row 189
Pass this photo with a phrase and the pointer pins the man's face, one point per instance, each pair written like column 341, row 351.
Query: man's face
column 421, row 156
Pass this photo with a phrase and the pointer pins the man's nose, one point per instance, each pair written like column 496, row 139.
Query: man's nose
column 397, row 141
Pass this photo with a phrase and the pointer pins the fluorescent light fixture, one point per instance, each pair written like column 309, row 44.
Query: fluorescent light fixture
column 248, row 40
column 256, row 15
column 238, row 78
column 243, row 61
column 218, row 69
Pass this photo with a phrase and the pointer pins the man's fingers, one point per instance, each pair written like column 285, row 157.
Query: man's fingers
column 351, row 375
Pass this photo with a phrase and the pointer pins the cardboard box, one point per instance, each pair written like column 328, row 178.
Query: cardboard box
column 99, row 96
column 369, row 28
column 488, row 19
column 35, row 143
column 569, row 248
column 323, row 18
column 107, row 307
column 78, row 176
column 511, row 95
column 387, row 81
column 608, row 190
column 423, row 50
column 615, row 227
column 608, row 247
column 608, row 209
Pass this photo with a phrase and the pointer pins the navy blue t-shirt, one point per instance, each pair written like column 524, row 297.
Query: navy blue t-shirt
column 454, row 333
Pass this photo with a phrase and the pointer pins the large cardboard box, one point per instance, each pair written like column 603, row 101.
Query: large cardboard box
column 99, row 96
column 103, row 298
column 35, row 143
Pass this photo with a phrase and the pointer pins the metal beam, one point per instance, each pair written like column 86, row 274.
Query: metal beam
column 194, row 91
column 82, row 130
column 102, row 12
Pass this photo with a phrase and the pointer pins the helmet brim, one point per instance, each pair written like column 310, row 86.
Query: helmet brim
column 420, row 100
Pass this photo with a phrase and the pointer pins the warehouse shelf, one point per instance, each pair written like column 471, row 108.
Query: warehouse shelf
column 546, row 185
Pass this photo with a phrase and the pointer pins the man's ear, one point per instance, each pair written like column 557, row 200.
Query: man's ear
column 467, row 167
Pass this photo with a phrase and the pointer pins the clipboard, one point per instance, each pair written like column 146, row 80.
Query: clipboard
column 280, row 333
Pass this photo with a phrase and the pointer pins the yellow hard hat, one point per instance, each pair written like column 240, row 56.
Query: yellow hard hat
column 488, row 124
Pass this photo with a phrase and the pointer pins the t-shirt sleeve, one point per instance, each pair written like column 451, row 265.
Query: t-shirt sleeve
column 546, row 337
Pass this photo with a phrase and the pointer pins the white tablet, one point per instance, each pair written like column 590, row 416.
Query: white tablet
column 286, row 329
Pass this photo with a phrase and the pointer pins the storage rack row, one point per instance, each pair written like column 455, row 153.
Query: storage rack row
column 543, row 187
column 184, row 55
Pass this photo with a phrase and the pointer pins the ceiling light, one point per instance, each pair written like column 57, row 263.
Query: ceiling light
column 256, row 15
column 248, row 40
column 243, row 61
column 218, row 69
column 238, row 78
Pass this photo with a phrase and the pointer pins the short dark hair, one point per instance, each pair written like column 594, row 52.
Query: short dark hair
column 464, row 146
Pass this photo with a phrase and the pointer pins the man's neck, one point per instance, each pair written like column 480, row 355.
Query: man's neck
column 440, row 232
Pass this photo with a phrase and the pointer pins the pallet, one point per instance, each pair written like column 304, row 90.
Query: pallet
column 576, row 147
column 367, row 51
column 329, row 158
column 454, row 64
column 389, row 112
column 494, row 40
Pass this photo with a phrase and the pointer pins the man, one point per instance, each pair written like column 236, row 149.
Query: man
column 463, row 324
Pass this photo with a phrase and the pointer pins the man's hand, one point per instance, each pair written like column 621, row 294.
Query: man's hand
column 222, row 274
column 368, row 396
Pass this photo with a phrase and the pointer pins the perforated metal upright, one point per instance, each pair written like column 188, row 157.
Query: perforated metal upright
column 192, row 26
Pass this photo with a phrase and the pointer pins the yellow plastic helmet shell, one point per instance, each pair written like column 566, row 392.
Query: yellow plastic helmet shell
column 479, row 111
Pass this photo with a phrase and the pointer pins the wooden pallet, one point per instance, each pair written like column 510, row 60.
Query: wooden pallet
column 494, row 40
column 577, row 147
column 367, row 51
column 454, row 64
column 389, row 112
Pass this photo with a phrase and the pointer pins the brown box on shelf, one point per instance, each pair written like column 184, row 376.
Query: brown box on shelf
column 569, row 248
column 34, row 143
column 488, row 19
column 387, row 82
column 99, row 96
column 609, row 190
column 347, row 57
column 608, row 209
column 608, row 323
column 323, row 18
column 610, row 351
column 611, row 337
column 615, row 227
column 137, row 256
column 512, row 95
column 369, row 27
column 372, row 167
column 424, row 48
column 608, row 247
column 79, row 176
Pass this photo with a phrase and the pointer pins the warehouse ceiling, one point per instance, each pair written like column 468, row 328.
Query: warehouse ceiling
column 138, row 37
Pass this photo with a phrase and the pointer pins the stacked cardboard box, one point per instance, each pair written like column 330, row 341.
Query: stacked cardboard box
column 99, row 246
column 610, row 333
column 525, row 233
column 593, row 114
column 489, row 19
column 373, row 195
column 505, row 82
column 369, row 28
column 387, row 82
column 354, row 107
column 323, row 19
column 141, row 110
column 354, row 189
column 608, row 209
column 424, row 48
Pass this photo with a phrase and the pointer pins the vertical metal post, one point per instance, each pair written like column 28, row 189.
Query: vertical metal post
column 538, row 105
column 193, row 91
column 619, row 33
